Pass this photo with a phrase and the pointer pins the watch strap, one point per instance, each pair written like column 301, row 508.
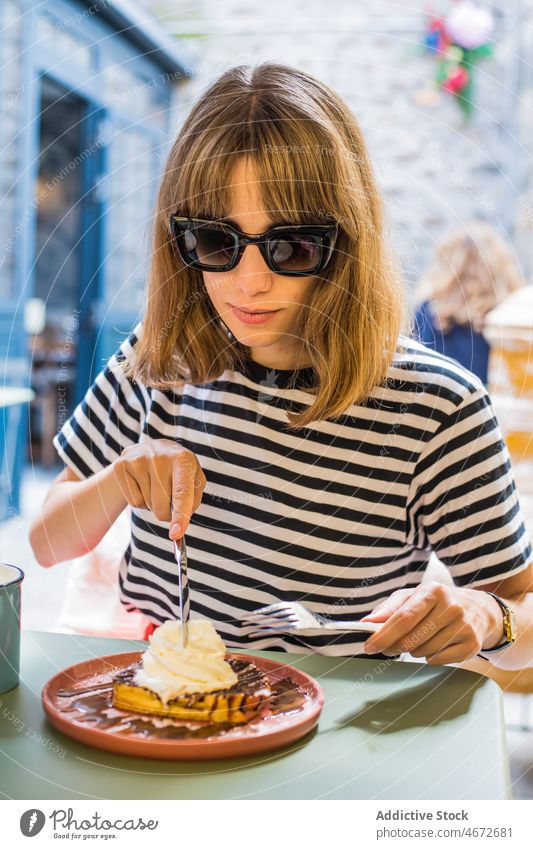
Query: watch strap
column 509, row 636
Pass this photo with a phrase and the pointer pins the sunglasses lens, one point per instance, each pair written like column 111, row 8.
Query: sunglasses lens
column 296, row 253
column 209, row 246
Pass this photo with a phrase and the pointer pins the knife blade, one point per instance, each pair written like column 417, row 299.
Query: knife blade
column 180, row 552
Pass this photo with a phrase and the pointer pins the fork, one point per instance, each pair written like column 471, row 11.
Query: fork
column 291, row 617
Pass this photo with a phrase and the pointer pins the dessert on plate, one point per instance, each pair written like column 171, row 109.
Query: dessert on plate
column 193, row 683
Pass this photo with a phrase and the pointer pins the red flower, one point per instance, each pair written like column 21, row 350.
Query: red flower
column 457, row 80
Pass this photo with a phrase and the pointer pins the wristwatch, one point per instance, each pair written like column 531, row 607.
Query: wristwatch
column 509, row 626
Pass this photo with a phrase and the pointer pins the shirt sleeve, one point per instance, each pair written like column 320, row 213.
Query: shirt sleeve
column 463, row 503
column 108, row 419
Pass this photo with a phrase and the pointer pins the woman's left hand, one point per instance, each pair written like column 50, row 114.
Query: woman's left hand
column 444, row 624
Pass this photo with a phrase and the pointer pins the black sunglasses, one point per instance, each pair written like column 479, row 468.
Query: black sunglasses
column 290, row 249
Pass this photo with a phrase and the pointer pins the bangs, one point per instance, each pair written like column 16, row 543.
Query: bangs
column 297, row 180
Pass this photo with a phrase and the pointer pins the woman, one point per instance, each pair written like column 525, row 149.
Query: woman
column 268, row 407
column 473, row 271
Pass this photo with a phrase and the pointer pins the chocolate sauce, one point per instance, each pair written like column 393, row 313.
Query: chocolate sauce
column 95, row 707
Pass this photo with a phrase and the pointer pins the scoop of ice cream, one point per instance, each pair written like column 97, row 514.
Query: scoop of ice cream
column 171, row 670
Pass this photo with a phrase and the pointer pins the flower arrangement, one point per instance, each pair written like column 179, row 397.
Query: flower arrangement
column 458, row 40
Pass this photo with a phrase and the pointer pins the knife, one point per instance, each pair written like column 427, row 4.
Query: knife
column 180, row 552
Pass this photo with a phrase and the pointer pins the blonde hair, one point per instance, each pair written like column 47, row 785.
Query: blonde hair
column 473, row 271
column 313, row 166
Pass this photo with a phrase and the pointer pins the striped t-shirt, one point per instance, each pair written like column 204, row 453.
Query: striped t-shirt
column 337, row 515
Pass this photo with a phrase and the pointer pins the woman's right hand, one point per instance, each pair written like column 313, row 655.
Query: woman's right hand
column 164, row 477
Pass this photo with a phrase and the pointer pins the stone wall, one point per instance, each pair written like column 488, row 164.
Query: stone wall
column 435, row 170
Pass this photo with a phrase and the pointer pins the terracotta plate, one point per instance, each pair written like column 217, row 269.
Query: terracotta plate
column 90, row 717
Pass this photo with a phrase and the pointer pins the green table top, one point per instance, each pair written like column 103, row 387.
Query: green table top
column 389, row 730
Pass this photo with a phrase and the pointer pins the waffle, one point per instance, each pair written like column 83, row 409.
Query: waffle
column 232, row 706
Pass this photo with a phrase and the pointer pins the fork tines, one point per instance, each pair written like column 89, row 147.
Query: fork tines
column 274, row 613
column 280, row 607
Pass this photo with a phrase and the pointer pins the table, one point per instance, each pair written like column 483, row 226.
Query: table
column 389, row 730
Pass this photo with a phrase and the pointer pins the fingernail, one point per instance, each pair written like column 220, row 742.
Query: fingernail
column 175, row 528
column 369, row 648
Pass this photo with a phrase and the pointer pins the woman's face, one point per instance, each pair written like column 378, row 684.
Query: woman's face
column 252, row 285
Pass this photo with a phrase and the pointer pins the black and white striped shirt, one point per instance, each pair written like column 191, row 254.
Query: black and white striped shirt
column 337, row 515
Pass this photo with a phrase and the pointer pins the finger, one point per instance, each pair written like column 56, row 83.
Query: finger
column 451, row 654
column 414, row 642
column 402, row 622
column 427, row 638
column 439, row 628
column 132, row 491
column 199, row 484
column 143, row 483
column 160, row 490
column 386, row 608
column 182, row 499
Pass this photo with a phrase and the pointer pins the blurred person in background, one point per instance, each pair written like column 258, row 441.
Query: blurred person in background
column 474, row 270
